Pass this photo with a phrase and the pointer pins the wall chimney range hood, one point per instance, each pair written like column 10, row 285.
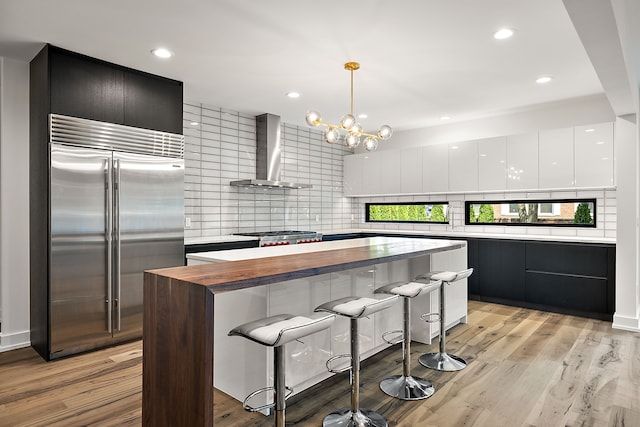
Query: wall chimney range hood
column 268, row 156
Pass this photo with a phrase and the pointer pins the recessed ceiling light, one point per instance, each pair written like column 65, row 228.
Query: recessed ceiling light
column 600, row 142
column 543, row 79
column 362, row 116
column 503, row 33
column 483, row 155
column 444, row 117
column 293, row 95
column 194, row 123
column 162, row 52
column 454, row 147
column 590, row 130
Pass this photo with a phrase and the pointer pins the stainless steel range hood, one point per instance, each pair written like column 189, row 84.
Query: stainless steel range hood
column 268, row 156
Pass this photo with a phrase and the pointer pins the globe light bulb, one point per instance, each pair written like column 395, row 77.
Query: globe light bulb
column 352, row 140
column 370, row 143
column 385, row 132
column 313, row 118
column 331, row 135
column 357, row 129
column 347, row 121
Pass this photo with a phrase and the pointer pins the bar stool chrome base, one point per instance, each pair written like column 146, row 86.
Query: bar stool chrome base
column 442, row 362
column 361, row 418
column 407, row 388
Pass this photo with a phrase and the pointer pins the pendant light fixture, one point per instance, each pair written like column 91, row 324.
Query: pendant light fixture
column 349, row 124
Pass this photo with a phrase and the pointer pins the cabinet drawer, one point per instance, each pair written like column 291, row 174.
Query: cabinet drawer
column 567, row 258
column 570, row 292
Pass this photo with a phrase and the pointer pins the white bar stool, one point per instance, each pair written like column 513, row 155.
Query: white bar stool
column 276, row 331
column 442, row 361
column 354, row 308
column 405, row 386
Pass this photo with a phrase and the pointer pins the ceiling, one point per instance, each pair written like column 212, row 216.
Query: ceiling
column 420, row 59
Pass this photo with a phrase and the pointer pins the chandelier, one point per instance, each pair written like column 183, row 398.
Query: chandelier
column 349, row 125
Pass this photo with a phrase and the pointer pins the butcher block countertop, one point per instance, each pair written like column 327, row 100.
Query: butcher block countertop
column 261, row 266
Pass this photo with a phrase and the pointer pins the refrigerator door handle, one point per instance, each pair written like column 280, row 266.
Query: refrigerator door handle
column 116, row 238
column 109, row 227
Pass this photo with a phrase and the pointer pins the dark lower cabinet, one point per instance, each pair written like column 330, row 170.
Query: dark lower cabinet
column 571, row 278
column 501, row 269
column 587, row 294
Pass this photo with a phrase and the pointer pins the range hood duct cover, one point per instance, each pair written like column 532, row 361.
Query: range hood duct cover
column 268, row 156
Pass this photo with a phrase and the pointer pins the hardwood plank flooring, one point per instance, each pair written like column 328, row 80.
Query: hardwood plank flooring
column 525, row 368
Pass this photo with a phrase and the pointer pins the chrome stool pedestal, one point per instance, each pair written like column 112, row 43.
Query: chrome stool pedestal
column 276, row 331
column 442, row 361
column 355, row 308
column 405, row 386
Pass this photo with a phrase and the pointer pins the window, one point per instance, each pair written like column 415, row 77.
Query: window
column 419, row 212
column 554, row 213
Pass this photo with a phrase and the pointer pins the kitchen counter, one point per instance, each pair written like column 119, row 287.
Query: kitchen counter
column 178, row 342
column 435, row 234
column 273, row 251
column 218, row 239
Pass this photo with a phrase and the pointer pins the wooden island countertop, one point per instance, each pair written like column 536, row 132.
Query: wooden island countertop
column 179, row 304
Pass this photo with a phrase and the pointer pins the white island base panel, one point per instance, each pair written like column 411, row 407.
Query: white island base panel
column 242, row 366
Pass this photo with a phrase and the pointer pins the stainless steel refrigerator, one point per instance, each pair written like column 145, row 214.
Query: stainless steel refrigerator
column 116, row 209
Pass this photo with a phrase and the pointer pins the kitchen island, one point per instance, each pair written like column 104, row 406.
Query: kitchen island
column 179, row 320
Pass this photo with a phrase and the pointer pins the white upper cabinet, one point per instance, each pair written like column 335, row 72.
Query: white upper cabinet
column 594, row 155
column 522, row 161
column 352, row 175
column 371, row 173
column 463, row 166
column 435, row 168
column 411, row 170
column 492, row 162
column 581, row 157
column 556, row 158
column 390, row 171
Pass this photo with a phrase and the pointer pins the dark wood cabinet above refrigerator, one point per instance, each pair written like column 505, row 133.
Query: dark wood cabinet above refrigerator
column 89, row 88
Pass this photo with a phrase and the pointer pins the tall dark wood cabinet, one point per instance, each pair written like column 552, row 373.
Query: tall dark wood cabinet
column 71, row 84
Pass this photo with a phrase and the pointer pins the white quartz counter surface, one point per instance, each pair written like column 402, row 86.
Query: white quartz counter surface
column 456, row 234
column 506, row 236
column 271, row 251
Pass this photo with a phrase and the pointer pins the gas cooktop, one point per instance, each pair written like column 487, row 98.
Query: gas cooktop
column 284, row 237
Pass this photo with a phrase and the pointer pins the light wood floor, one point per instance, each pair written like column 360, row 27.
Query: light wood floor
column 525, row 368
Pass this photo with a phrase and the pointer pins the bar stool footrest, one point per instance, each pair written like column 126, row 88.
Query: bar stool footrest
column 433, row 317
column 249, row 408
column 334, row 358
column 395, row 340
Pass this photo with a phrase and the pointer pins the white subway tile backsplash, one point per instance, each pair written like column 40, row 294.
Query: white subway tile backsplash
column 590, row 233
column 563, row 231
column 223, row 148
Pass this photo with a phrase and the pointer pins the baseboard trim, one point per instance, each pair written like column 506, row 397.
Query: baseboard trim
column 626, row 323
column 14, row 340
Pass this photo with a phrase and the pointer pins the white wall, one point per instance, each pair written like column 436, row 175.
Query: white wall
column 626, row 314
column 14, row 203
